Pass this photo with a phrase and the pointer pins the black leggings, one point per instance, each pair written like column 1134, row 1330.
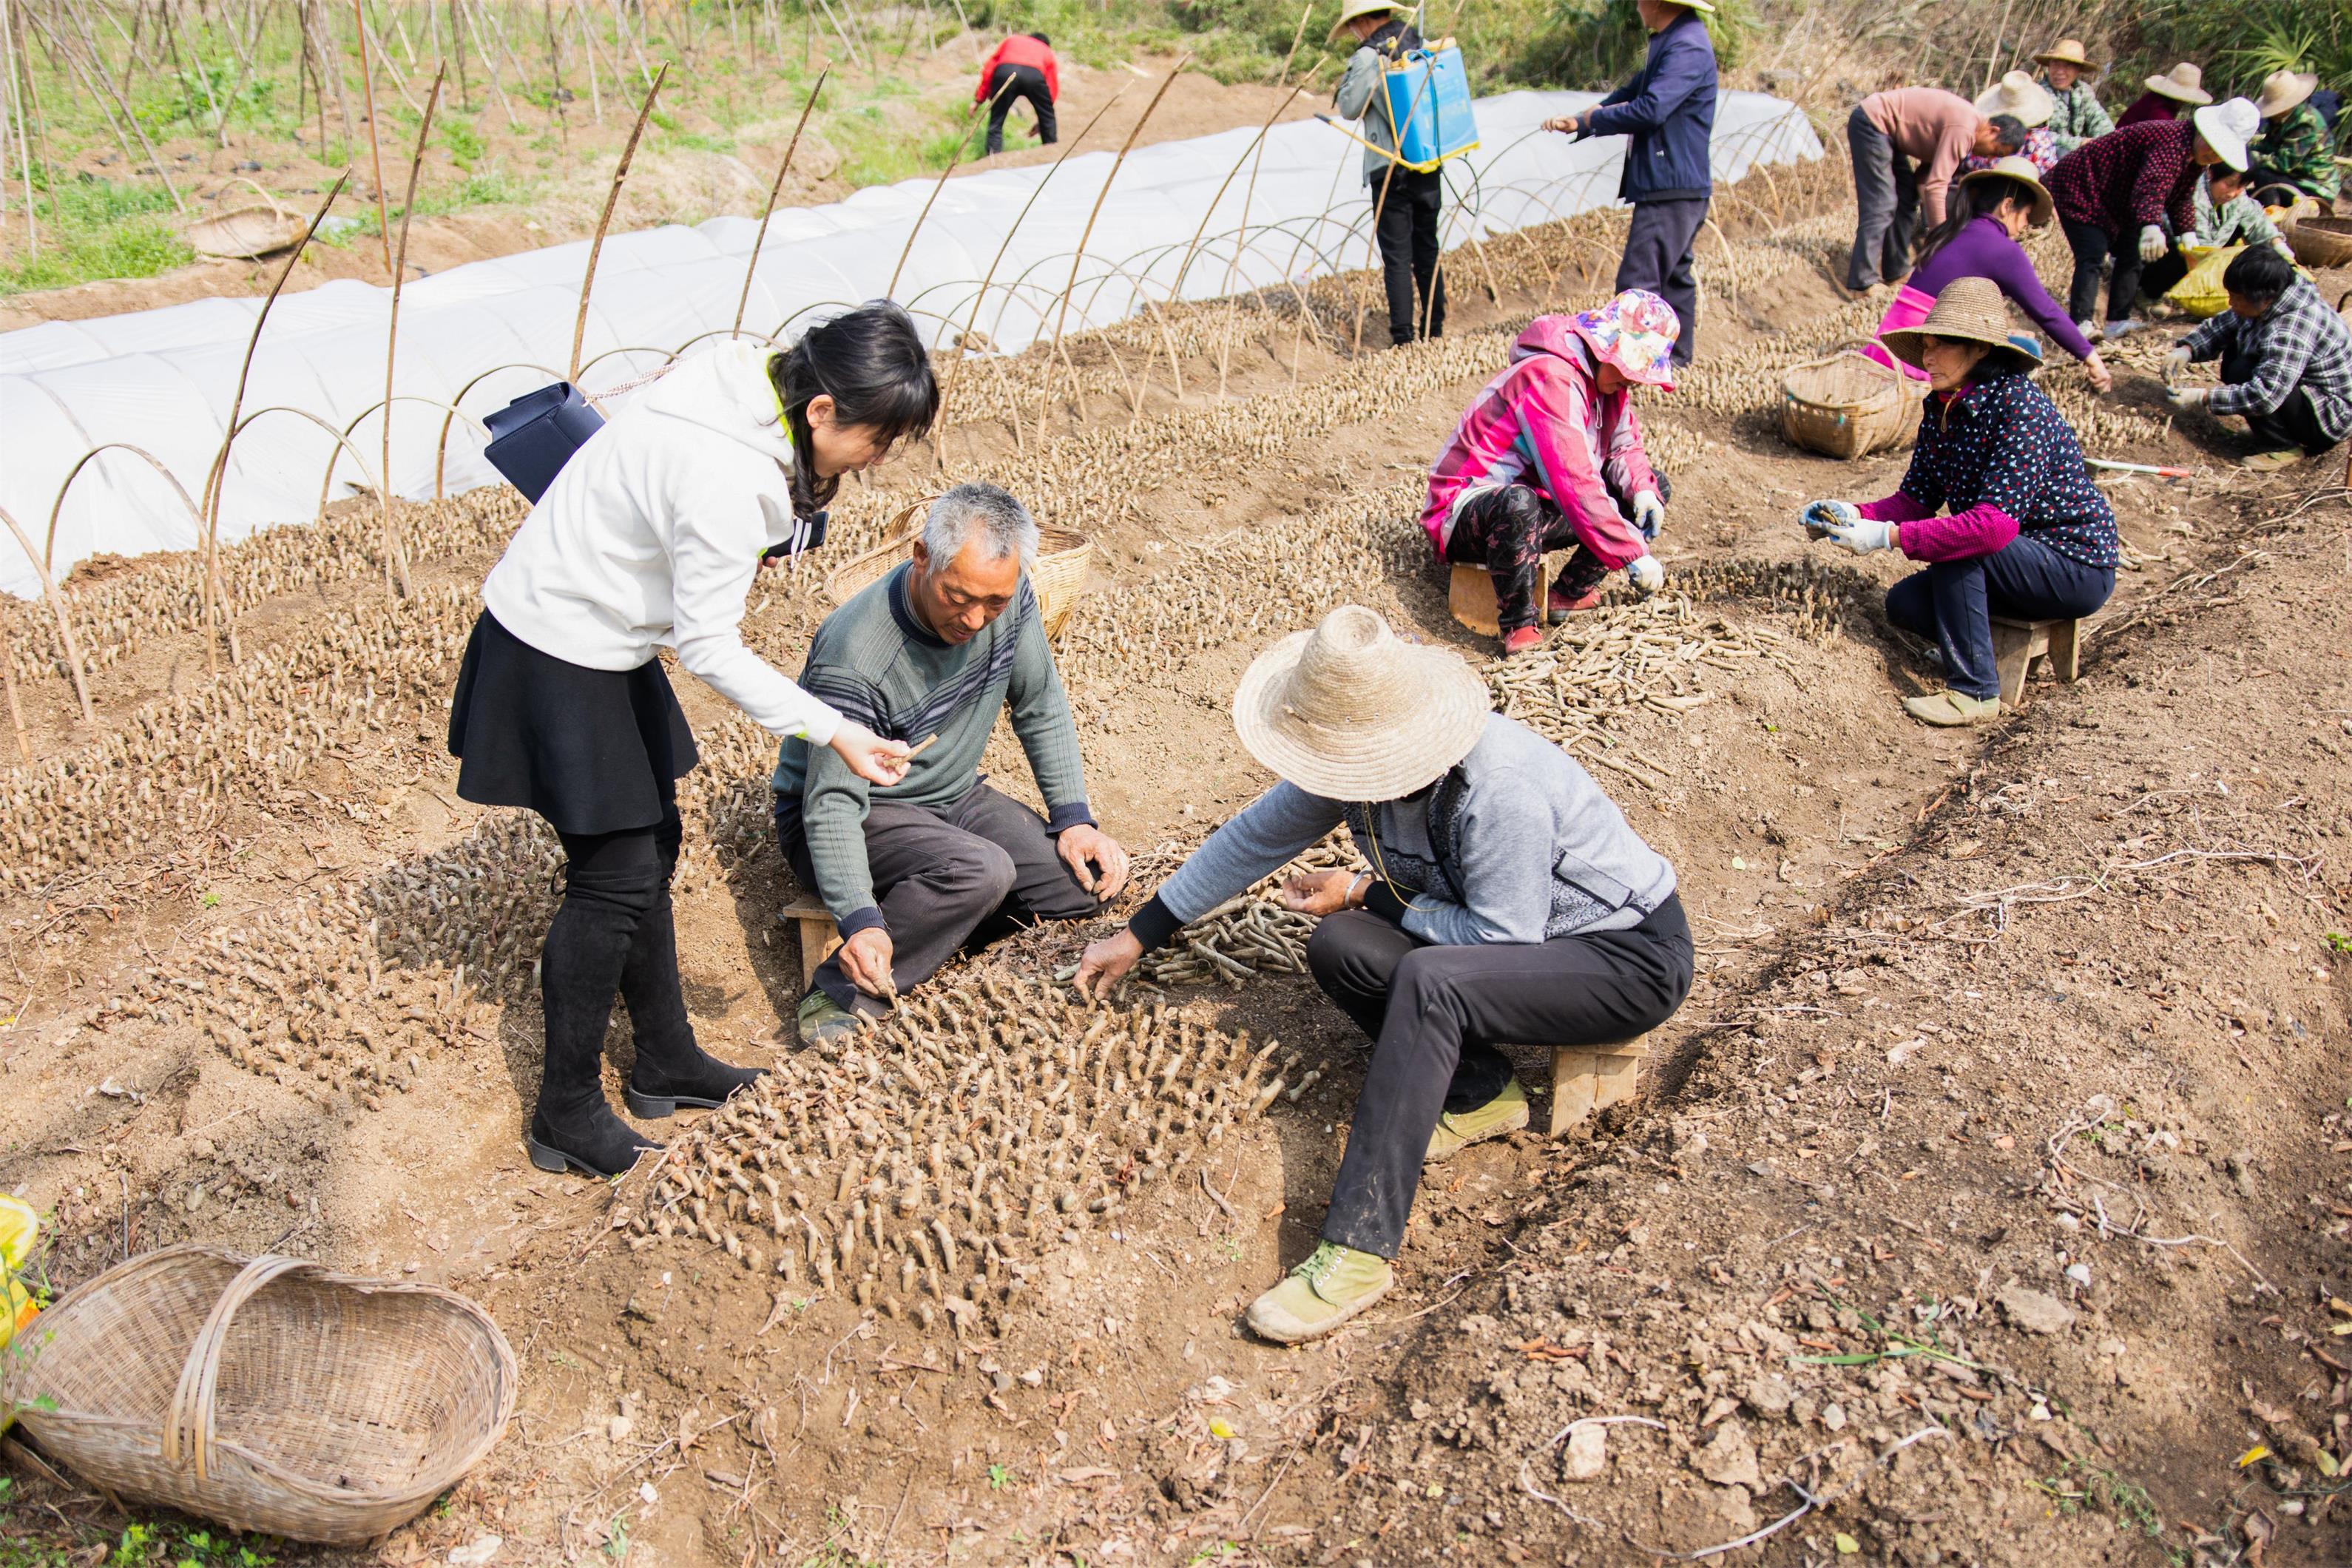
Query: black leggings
column 614, row 931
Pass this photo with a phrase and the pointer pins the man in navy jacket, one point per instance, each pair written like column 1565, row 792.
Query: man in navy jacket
column 1668, row 109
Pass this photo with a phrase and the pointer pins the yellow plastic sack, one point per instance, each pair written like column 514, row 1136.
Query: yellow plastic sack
column 2200, row 293
column 20, row 1226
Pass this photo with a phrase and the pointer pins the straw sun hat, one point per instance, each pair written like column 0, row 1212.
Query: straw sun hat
column 1350, row 712
column 2019, row 95
column 1970, row 310
column 1353, row 9
column 2022, row 171
column 2184, row 83
column 2281, row 90
column 2065, row 52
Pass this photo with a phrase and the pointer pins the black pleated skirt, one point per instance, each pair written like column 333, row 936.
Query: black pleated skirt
column 593, row 750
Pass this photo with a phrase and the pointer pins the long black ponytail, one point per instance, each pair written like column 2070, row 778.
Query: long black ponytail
column 871, row 361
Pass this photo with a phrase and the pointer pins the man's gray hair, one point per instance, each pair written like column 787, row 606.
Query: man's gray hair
column 1003, row 525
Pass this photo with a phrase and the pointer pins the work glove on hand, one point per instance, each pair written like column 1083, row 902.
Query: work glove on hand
column 1863, row 535
column 1649, row 514
column 2176, row 363
column 1821, row 518
column 1646, row 576
column 2187, row 397
column 2151, row 244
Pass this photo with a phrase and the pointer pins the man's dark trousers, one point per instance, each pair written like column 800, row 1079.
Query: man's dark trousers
column 1661, row 254
column 1886, row 203
column 947, row 877
column 1408, row 237
column 2294, row 423
column 1009, row 82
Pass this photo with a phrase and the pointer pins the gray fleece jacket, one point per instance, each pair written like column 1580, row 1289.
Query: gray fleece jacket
column 1515, row 844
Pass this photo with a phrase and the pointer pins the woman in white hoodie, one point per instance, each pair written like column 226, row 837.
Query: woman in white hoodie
column 651, row 536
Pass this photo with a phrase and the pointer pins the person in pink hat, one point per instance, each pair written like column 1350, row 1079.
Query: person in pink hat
column 1549, row 456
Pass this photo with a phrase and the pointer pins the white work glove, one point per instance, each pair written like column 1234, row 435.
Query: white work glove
column 1646, row 576
column 2151, row 244
column 2187, row 397
column 1821, row 518
column 2175, row 363
column 1863, row 535
column 1649, row 514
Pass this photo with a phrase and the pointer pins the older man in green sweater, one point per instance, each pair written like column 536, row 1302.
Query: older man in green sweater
column 915, row 871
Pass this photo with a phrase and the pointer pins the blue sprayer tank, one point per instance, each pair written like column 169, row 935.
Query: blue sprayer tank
column 1429, row 105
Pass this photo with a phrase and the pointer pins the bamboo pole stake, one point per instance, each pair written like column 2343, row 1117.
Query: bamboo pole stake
column 937, row 186
column 775, row 188
column 1062, row 317
column 66, row 637
column 375, row 142
column 396, row 555
column 612, row 200
column 15, row 708
column 24, row 153
column 217, row 479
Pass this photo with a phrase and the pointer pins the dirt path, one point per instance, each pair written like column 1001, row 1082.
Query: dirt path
column 1941, row 1051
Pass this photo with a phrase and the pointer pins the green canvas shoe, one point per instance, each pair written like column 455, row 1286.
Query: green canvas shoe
column 1456, row 1131
column 1951, row 710
column 822, row 1022
column 1332, row 1286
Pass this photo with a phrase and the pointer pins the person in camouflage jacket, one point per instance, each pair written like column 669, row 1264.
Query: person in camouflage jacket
column 2294, row 155
column 2076, row 115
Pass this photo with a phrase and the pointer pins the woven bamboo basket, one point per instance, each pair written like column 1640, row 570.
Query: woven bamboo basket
column 245, row 233
column 265, row 1393
column 1058, row 579
column 1848, row 406
column 2322, row 241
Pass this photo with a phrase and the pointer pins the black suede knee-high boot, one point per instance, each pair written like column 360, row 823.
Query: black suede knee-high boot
column 608, row 886
column 671, row 1069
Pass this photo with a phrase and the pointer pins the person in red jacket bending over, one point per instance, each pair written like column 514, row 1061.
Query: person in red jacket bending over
column 1022, row 66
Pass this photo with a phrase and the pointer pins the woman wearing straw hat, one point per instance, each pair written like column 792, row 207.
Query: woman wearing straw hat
column 1549, row 456
column 1991, row 212
column 1407, row 202
column 2076, row 115
column 2027, row 102
column 2182, row 87
column 2124, row 194
column 2294, row 157
column 1507, row 902
column 2026, row 535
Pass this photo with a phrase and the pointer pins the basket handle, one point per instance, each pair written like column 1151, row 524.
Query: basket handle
column 275, row 209
column 189, row 1420
column 893, row 540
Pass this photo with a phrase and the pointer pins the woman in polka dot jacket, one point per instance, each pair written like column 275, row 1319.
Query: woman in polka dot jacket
column 2025, row 533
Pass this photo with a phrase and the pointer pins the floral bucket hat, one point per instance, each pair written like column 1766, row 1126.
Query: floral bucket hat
column 1635, row 332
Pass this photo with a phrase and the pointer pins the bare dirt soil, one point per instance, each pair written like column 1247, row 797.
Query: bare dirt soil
column 1986, row 1203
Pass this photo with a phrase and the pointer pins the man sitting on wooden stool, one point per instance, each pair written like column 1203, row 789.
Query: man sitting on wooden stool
column 1509, row 903
column 915, row 871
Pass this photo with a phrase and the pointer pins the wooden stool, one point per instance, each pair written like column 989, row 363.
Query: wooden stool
column 2017, row 644
column 1586, row 1079
column 819, row 935
column 1471, row 596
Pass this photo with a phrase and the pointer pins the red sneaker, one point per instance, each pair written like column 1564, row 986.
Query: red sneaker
column 1558, row 607
column 1522, row 639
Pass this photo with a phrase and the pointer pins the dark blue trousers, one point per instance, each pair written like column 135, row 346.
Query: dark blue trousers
column 1952, row 603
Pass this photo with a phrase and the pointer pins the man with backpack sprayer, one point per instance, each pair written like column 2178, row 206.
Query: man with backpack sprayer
column 1668, row 109
column 1405, row 201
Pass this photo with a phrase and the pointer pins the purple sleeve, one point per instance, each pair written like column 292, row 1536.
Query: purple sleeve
column 2009, row 266
column 1897, row 508
column 1963, row 536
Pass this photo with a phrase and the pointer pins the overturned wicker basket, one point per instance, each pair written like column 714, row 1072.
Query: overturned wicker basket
column 2320, row 241
column 1058, row 579
column 1848, row 406
column 266, row 1394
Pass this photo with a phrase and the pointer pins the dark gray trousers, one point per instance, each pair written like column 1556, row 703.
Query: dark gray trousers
column 1662, row 255
column 1886, row 202
column 947, row 877
column 1436, row 1016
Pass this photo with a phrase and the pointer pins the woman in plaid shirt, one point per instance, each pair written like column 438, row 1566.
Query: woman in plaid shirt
column 2287, row 362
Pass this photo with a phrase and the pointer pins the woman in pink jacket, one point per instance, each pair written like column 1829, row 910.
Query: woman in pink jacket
column 1549, row 455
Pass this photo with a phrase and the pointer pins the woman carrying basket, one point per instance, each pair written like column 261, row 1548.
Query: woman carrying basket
column 2026, row 535
column 1991, row 212
column 651, row 536
column 1509, row 901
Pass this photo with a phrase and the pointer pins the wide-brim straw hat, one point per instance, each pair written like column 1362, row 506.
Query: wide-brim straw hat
column 2022, row 171
column 2228, row 128
column 2281, row 90
column 2065, row 52
column 1353, row 9
column 1971, row 310
column 2020, row 96
column 1350, row 711
column 2184, row 83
